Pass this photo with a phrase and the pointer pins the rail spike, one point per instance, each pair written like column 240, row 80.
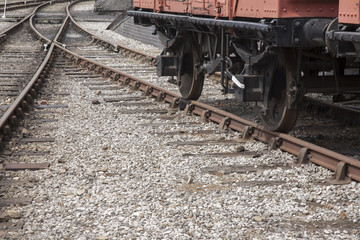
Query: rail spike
column 340, row 177
column 224, row 124
column 7, row 132
column 127, row 81
column 175, row 103
column 148, row 91
column 304, row 156
column 136, row 86
column 161, row 96
column 275, row 143
column 108, row 73
column 33, row 93
column 99, row 70
column 14, row 122
column 20, row 113
column 205, row 116
column 247, row 133
column 189, row 108
column 25, row 105
column 116, row 77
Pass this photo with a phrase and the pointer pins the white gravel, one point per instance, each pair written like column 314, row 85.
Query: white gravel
column 113, row 177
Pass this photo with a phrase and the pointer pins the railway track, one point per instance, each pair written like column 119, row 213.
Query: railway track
column 195, row 145
column 18, row 61
column 285, row 142
column 342, row 118
column 16, row 5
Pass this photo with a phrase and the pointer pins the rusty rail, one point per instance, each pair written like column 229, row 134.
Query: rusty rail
column 26, row 97
column 306, row 152
column 17, row 25
column 13, row 28
column 21, row 5
column 38, row 34
column 106, row 43
column 336, row 107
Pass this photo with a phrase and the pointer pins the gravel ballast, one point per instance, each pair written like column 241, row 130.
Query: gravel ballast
column 113, row 175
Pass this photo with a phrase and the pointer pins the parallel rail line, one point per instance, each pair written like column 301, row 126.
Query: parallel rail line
column 15, row 112
column 21, row 5
column 307, row 152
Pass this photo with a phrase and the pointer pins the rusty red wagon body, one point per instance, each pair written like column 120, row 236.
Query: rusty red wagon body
column 244, row 8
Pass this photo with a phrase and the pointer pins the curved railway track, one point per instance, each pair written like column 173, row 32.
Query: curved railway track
column 30, row 60
column 16, row 5
column 343, row 119
column 304, row 150
column 19, row 61
column 87, row 57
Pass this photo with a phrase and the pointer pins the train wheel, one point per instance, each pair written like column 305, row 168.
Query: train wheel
column 190, row 79
column 279, row 117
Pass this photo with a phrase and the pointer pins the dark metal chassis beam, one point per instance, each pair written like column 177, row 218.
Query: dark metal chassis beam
column 327, row 84
column 203, row 21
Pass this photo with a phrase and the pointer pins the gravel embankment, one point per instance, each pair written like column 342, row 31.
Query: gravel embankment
column 114, row 176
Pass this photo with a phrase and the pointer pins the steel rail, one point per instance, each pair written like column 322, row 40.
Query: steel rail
column 334, row 106
column 19, row 102
column 104, row 42
column 11, row 29
column 28, row 92
column 22, row 3
column 298, row 147
column 11, row 110
column 38, row 34
column 241, row 25
column 304, row 150
column 18, row 6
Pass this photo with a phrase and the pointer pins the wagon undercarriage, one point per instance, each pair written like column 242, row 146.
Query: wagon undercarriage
column 270, row 61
